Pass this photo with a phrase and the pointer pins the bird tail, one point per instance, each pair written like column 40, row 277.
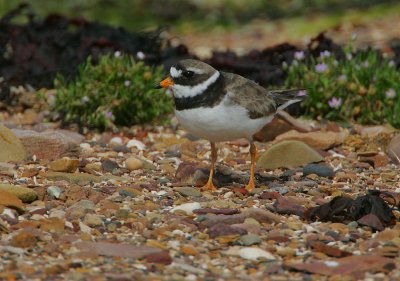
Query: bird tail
column 284, row 98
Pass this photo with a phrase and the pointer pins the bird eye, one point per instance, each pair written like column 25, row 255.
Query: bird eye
column 188, row 73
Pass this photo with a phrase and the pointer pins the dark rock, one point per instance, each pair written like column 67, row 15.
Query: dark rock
column 161, row 258
column 223, row 229
column 288, row 206
column 108, row 165
column 121, row 148
column 318, row 169
column 371, row 221
column 223, row 219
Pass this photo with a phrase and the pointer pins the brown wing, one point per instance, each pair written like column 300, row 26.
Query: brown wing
column 258, row 101
column 250, row 95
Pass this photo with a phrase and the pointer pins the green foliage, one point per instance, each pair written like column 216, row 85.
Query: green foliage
column 364, row 87
column 117, row 91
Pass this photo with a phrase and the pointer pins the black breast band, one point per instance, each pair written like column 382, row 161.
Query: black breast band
column 209, row 98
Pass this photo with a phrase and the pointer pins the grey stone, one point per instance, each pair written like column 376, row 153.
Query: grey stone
column 249, row 239
column 288, row 154
column 54, row 192
column 320, row 170
column 188, row 191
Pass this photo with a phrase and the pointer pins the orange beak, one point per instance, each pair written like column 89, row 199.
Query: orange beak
column 165, row 83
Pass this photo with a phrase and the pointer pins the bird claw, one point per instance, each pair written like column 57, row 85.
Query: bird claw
column 209, row 186
column 250, row 186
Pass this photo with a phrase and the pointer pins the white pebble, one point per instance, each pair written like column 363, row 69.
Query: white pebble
column 188, row 208
column 116, row 140
column 135, row 143
column 254, row 254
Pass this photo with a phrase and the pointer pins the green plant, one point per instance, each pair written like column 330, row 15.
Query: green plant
column 363, row 86
column 117, row 91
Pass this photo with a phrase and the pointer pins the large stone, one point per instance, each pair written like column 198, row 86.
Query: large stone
column 279, row 125
column 10, row 200
column 25, row 194
column 393, row 149
column 11, row 146
column 46, row 145
column 288, row 154
column 320, row 140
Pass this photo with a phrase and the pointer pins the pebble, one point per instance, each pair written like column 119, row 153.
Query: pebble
column 223, row 229
column 121, row 148
column 83, row 204
column 115, row 141
column 281, row 189
column 54, row 192
column 255, row 254
column 136, row 143
column 320, row 170
column 108, row 165
column 249, row 239
column 188, row 208
column 188, row 191
column 250, row 253
column 92, row 220
column 133, row 163
column 65, row 164
column 352, row 225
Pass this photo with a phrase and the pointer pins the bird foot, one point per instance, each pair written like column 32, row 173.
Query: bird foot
column 209, row 186
column 250, row 186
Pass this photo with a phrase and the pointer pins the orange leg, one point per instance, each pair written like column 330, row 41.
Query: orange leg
column 253, row 150
column 210, row 185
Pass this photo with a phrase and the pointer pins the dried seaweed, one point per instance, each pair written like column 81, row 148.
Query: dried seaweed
column 342, row 209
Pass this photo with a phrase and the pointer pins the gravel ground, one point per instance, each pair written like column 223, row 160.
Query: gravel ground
column 128, row 207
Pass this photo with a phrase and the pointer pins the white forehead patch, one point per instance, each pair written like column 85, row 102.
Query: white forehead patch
column 175, row 73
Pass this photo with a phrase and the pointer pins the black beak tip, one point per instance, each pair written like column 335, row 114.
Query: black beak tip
column 158, row 86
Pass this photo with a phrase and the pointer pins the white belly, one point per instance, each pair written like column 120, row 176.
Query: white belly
column 224, row 122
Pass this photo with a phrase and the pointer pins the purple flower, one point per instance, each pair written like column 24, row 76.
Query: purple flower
column 391, row 93
column 109, row 115
column 335, row 102
column 342, row 78
column 301, row 93
column 299, row 55
column 325, row 54
column 392, row 63
column 365, row 64
column 321, row 67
